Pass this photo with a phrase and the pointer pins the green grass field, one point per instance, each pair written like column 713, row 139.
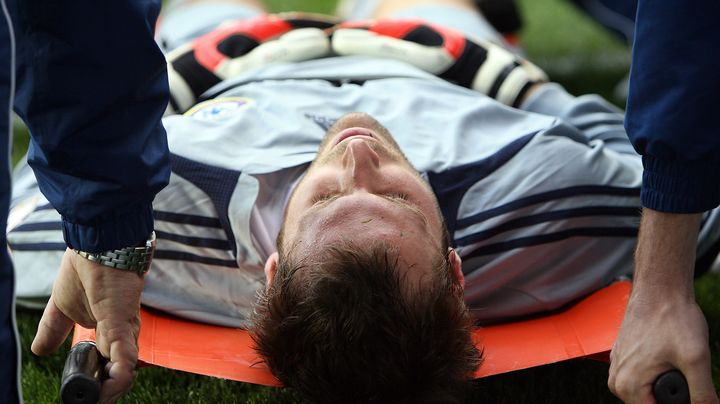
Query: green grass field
column 575, row 52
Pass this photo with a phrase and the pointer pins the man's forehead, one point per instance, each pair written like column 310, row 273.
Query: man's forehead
column 414, row 267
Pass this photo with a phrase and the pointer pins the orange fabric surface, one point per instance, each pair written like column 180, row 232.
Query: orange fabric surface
column 585, row 329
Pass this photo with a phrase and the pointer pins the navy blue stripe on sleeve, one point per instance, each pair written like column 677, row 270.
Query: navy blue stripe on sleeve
column 46, row 206
column 544, row 197
column 188, row 257
column 632, row 211
column 214, row 243
column 450, row 186
column 37, row 246
column 553, row 237
column 217, row 182
column 39, row 226
column 183, row 218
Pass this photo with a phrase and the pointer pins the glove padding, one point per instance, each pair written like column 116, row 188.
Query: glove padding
column 444, row 52
column 236, row 47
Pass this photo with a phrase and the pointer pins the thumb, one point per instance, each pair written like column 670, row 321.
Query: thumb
column 52, row 331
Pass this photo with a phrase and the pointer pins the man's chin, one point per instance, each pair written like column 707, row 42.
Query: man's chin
column 352, row 120
column 358, row 120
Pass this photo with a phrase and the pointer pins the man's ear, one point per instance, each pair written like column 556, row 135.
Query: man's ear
column 270, row 269
column 456, row 268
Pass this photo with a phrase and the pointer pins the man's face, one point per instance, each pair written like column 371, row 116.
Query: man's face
column 362, row 189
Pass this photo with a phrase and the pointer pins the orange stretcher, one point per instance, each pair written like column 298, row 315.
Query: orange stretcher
column 587, row 328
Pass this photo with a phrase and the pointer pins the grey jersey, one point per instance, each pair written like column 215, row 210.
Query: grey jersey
column 542, row 203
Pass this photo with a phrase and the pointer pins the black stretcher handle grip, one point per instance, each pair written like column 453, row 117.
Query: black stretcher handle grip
column 82, row 375
column 671, row 388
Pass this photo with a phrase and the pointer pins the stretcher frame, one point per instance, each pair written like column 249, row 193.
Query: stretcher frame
column 585, row 329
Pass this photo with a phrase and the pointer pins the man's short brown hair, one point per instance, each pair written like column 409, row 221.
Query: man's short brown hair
column 344, row 327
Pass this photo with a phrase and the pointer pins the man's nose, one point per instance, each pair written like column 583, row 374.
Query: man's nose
column 362, row 164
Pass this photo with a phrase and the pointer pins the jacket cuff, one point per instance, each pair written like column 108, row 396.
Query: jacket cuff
column 680, row 187
column 131, row 228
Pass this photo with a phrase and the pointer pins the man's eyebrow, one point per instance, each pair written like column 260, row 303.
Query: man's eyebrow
column 406, row 205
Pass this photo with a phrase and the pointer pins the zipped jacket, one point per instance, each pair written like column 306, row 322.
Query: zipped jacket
column 672, row 112
column 92, row 87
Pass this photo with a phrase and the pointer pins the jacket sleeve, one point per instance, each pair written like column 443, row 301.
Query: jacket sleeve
column 672, row 113
column 92, row 86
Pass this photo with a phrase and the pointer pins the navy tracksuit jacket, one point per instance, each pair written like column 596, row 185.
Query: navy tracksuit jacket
column 673, row 111
column 91, row 84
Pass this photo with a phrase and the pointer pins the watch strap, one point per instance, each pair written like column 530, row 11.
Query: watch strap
column 134, row 259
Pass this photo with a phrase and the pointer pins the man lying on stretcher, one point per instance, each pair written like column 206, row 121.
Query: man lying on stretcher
column 382, row 189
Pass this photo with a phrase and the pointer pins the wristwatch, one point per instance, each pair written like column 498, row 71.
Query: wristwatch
column 134, row 259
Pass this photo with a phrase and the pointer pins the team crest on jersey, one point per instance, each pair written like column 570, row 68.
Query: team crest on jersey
column 323, row 122
column 219, row 109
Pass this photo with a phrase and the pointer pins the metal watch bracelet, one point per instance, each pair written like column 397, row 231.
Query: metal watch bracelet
column 133, row 259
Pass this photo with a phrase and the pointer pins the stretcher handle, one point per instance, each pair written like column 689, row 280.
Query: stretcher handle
column 671, row 388
column 82, row 375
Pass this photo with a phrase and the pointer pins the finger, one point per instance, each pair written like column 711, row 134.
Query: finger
column 611, row 386
column 116, row 339
column 611, row 381
column 613, row 370
column 631, row 390
column 631, row 387
column 119, row 342
column 645, row 394
column 119, row 382
column 52, row 331
column 700, row 384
